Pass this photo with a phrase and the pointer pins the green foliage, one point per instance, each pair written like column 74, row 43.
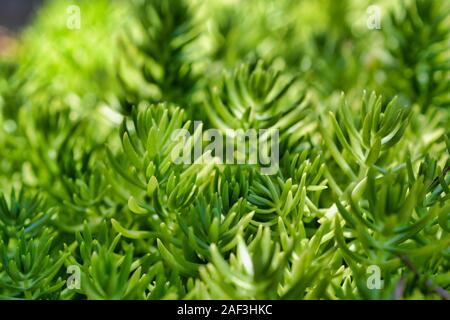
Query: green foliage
column 22, row 213
column 105, row 274
column 57, row 61
column 156, row 64
column 358, row 141
column 30, row 266
column 96, row 123
column 419, row 61
column 267, row 269
column 260, row 98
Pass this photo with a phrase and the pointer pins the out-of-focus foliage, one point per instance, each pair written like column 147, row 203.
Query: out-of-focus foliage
column 156, row 61
column 58, row 60
column 90, row 119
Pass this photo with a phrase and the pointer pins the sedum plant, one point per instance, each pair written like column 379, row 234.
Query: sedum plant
column 260, row 98
column 110, row 187
column 156, row 63
column 417, row 43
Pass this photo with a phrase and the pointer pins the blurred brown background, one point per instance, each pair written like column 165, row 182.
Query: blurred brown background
column 14, row 14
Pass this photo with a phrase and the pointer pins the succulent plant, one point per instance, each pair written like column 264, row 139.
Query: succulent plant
column 110, row 187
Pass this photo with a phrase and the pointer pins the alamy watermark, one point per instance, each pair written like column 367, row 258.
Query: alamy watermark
column 250, row 147
column 373, row 17
column 74, row 280
column 74, row 17
column 374, row 281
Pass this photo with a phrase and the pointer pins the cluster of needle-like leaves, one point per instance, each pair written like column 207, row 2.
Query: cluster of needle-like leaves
column 110, row 189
